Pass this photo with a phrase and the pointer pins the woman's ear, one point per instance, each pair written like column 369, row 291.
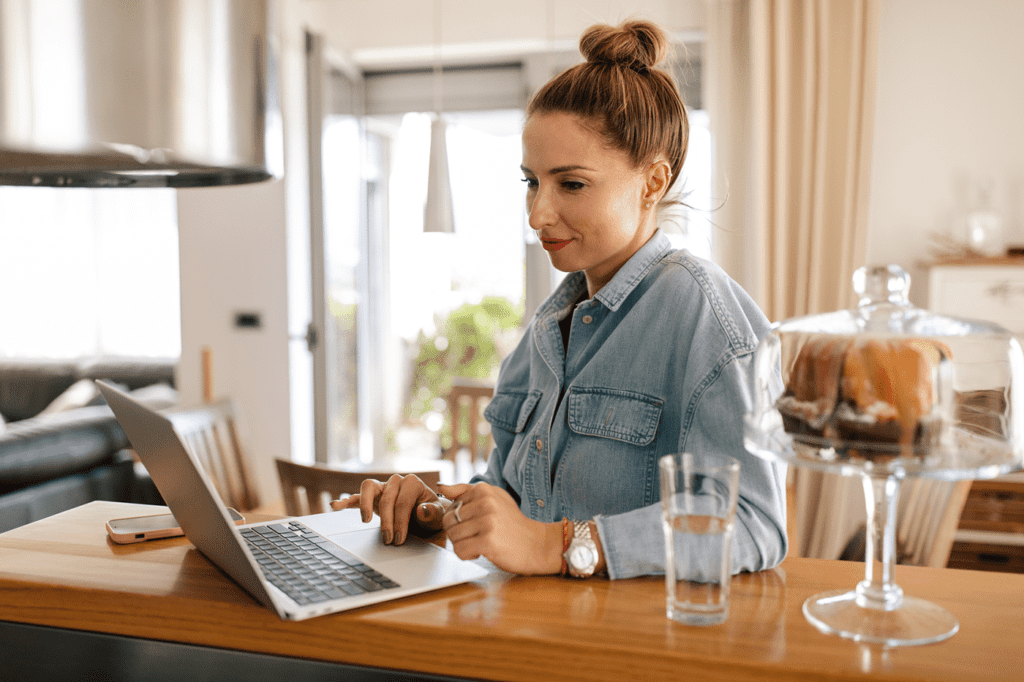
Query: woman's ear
column 659, row 175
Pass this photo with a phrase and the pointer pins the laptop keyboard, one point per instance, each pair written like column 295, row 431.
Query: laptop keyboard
column 307, row 566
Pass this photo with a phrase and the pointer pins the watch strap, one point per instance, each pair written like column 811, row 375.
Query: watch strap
column 581, row 533
column 566, row 537
column 581, row 529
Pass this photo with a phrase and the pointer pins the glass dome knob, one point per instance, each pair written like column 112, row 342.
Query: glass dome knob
column 877, row 284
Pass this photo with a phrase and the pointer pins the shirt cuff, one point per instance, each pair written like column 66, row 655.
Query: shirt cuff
column 633, row 542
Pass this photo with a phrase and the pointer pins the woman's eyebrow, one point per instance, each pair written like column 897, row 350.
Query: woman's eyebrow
column 559, row 169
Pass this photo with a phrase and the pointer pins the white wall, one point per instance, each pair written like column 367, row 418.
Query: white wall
column 948, row 113
column 232, row 250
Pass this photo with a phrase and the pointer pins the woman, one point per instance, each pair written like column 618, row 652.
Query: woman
column 642, row 351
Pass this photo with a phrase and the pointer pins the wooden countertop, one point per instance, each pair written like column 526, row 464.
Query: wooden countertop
column 64, row 572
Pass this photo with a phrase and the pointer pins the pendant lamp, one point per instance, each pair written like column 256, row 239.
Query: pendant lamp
column 437, row 215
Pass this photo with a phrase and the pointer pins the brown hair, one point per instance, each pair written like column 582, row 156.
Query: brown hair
column 635, row 106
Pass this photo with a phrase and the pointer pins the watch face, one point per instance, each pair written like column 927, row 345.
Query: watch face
column 581, row 556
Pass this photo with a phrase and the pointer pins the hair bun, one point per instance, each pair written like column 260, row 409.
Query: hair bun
column 638, row 45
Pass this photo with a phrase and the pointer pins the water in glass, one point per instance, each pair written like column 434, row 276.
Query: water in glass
column 698, row 575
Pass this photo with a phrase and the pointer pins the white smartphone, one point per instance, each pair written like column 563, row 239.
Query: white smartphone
column 142, row 528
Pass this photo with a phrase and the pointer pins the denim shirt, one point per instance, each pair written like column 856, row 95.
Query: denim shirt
column 658, row 361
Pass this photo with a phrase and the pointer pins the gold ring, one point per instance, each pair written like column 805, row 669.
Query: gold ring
column 455, row 510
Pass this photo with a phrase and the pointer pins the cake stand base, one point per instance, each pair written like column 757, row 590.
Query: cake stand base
column 914, row 621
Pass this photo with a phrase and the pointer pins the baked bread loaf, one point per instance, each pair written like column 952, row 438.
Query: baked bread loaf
column 858, row 390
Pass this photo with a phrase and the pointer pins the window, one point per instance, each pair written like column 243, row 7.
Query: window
column 485, row 255
column 690, row 224
column 89, row 272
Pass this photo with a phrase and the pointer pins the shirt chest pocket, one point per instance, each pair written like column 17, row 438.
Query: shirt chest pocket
column 512, row 411
column 621, row 415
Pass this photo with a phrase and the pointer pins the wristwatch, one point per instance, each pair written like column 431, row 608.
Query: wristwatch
column 581, row 557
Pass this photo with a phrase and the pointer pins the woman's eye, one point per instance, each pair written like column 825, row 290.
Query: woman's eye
column 572, row 185
column 530, row 182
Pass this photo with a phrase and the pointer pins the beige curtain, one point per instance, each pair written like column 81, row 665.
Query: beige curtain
column 791, row 101
column 790, row 89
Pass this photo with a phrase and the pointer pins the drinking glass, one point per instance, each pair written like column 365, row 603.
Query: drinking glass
column 698, row 508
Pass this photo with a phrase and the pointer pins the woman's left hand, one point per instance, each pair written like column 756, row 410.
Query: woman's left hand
column 493, row 526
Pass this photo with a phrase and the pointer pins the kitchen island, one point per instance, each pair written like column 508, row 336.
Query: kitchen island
column 71, row 600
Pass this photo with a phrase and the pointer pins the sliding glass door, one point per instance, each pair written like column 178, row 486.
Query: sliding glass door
column 348, row 259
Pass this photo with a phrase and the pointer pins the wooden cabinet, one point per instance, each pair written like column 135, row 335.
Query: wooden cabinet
column 991, row 533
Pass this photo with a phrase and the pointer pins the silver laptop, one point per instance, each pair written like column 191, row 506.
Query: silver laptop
column 300, row 567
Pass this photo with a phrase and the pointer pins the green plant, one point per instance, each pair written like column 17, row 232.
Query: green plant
column 466, row 344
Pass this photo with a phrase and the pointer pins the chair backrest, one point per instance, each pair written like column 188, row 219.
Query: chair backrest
column 322, row 484
column 210, row 433
column 470, row 431
column 830, row 517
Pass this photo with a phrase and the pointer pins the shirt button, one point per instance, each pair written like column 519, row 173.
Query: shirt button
column 540, row 444
column 587, row 319
column 540, row 502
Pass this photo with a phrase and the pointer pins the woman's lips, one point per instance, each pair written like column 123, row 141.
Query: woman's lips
column 554, row 244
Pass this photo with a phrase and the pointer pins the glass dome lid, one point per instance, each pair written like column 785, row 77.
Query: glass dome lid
column 887, row 388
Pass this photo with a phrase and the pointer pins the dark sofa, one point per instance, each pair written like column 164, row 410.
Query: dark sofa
column 52, row 462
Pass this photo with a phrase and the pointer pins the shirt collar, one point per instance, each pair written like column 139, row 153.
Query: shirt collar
column 634, row 270
column 573, row 286
column 622, row 284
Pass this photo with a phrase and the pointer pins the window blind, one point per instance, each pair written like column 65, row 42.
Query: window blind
column 463, row 88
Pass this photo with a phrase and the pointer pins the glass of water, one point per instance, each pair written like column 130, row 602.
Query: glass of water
column 698, row 509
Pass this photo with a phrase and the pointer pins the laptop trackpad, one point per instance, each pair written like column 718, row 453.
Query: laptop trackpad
column 414, row 563
column 367, row 545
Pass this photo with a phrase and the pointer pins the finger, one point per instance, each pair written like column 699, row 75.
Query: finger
column 454, row 515
column 345, row 502
column 410, row 492
column 430, row 515
column 369, row 491
column 452, row 492
column 386, row 508
column 467, row 548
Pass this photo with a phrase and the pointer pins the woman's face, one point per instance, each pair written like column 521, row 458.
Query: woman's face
column 585, row 199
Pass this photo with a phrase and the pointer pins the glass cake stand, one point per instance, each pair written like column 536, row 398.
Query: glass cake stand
column 974, row 430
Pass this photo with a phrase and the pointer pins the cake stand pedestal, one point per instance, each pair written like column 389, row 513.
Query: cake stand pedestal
column 876, row 610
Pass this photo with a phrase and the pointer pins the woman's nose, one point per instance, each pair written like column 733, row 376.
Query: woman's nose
column 541, row 211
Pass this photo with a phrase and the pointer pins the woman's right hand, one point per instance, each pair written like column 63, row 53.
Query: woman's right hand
column 400, row 501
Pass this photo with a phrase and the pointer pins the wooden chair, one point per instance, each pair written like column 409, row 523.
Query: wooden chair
column 321, row 483
column 466, row 402
column 210, row 433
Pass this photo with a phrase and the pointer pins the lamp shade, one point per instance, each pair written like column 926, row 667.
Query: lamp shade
column 438, row 212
